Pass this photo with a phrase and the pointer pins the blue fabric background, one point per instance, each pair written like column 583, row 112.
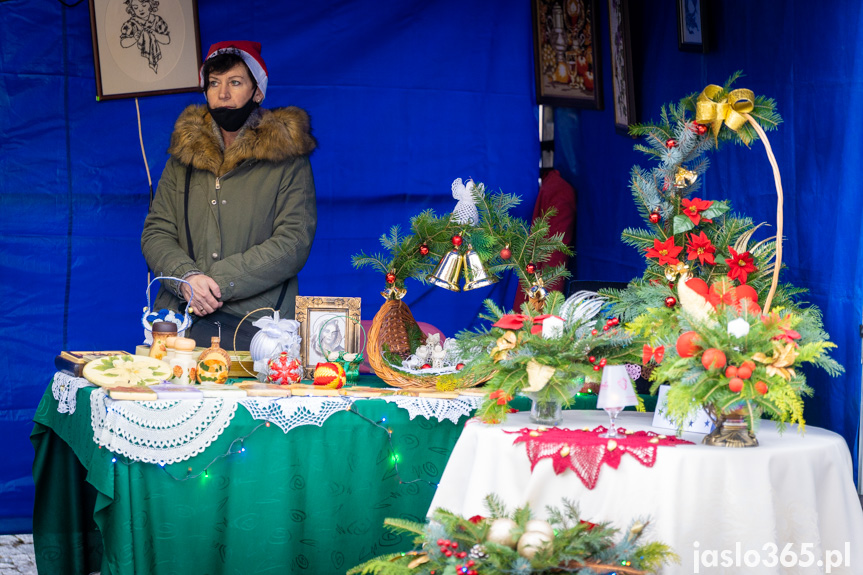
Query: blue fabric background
column 404, row 97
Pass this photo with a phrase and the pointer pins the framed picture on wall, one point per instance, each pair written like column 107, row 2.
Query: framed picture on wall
column 327, row 324
column 145, row 47
column 691, row 25
column 621, row 65
column 566, row 53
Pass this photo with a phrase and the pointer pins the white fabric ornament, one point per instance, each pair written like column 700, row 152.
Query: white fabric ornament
column 738, row 327
column 465, row 211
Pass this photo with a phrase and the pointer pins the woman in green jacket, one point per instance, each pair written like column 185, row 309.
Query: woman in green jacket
column 234, row 213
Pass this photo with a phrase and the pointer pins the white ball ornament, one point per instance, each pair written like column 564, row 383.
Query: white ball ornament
column 500, row 532
column 532, row 542
column 540, row 526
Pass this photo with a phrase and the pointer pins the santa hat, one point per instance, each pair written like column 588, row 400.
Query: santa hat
column 250, row 52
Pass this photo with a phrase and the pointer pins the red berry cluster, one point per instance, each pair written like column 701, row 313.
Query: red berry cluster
column 597, row 366
column 450, row 548
column 610, row 324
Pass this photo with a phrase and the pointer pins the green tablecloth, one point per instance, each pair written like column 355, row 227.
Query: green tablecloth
column 309, row 501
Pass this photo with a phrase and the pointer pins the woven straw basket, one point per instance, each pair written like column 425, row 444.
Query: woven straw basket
column 390, row 327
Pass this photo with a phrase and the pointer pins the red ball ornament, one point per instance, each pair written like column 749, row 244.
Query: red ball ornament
column 700, row 129
column 593, row 332
column 606, row 327
column 531, row 268
column 670, row 143
column 591, row 359
column 596, row 368
column 459, row 366
column 424, row 250
column 654, row 217
column 602, row 362
column 670, row 302
column 505, row 253
column 426, row 366
column 735, row 384
column 457, row 240
column 761, row 387
column 713, row 358
column 391, row 278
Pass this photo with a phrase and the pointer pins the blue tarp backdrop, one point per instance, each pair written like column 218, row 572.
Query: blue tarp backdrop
column 404, row 97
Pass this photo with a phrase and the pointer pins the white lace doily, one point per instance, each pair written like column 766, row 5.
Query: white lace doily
column 291, row 412
column 65, row 389
column 440, row 409
column 162, row 431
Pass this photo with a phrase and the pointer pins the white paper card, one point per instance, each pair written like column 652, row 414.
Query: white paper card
column 699, row 424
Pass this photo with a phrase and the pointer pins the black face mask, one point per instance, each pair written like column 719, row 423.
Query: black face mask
column 232, row 119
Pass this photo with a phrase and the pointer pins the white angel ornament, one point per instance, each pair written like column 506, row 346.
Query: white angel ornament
column 465, row 211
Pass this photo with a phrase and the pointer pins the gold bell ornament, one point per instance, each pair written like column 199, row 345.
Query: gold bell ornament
column 475, row 274
column 447, row 271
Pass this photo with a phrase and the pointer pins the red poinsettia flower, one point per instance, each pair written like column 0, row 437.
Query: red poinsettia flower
column 740, row 265
column 666, row 251
column 476, row 519
column 783, row 323
column 700, row 247
column 693, row 208
column 501, row 396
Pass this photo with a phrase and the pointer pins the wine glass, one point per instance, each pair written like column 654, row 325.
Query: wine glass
column 615, row 393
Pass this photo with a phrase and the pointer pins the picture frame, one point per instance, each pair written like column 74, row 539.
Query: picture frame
column 327, row 324
column 567, row 66
column 145, row 47
column 692, row 25
column 623, row 87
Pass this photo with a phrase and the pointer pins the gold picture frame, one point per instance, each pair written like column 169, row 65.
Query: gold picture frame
column 145, row 47
column 327, row 324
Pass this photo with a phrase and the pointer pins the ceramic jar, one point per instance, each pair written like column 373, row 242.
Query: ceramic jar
column 161, row 331
column 184, row 366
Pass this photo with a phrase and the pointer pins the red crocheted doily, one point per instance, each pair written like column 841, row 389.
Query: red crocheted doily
column 584, row 451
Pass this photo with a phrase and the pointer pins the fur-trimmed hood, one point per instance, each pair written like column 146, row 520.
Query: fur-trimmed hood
column 280, row 134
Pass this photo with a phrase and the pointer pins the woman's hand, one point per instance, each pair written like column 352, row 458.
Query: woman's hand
column 207, row 294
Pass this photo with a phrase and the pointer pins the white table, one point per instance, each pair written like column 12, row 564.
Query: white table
column 702, row 500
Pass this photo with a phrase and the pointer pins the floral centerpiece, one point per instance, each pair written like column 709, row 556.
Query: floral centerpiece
column 739, row 362
column 505, row 543
column 691, row 237
column 546, row 356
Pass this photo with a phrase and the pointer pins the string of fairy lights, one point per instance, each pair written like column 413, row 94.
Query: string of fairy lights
column 237, row 447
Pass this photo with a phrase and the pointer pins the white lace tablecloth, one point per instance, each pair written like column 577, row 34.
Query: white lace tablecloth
column 162, row 431
column 291, row 412
column 170, row 431
column 65, row 389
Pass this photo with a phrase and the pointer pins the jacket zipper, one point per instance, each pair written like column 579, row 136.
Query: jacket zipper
column 223, row 176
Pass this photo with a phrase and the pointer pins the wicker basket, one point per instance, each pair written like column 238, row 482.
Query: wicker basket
column 390, row 327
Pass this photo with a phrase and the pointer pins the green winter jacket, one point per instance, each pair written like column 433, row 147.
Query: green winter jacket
column 252, row 213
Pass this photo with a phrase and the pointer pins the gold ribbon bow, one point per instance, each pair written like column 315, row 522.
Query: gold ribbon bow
column 728, row 110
